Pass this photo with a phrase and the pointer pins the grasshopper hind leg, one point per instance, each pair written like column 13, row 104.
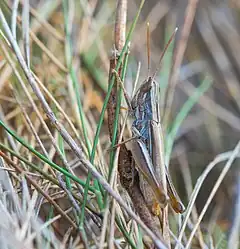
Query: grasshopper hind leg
column 149, row 196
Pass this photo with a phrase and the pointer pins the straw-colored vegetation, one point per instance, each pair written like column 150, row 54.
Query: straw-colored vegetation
column 63, row 184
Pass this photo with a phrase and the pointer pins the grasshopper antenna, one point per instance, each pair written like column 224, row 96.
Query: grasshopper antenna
column 164, row 51
column 148, row 47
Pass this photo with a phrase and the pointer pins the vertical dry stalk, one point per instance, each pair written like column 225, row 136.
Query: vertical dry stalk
column 125, row 160
column 129, row 180
column 76, row 149
column 120, row 24
column 180, row 50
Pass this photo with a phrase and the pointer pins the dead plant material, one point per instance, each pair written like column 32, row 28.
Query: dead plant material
column 128, row 176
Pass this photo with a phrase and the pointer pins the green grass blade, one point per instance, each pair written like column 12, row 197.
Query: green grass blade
column 43, row 158
column 74, row 80
column 41, row 172
column 96, row 73
column 115, row 125
column 82, row 117
column 125, row 233
column 31, row 165
column 186, row 108
column 112, row 81
column 140, row 238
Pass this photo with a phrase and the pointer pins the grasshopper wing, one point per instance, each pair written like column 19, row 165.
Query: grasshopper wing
column 145, row 166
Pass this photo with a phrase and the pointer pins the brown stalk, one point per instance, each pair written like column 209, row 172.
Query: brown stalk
column 128, row 180
column 180, row 50
column 9, row 39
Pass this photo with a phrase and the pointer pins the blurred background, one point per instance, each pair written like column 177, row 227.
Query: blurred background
column 213, row 47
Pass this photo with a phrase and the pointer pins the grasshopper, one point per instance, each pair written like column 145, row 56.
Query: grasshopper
column 147, row 143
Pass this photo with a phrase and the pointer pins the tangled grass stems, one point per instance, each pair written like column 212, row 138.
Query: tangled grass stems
column 63, row 79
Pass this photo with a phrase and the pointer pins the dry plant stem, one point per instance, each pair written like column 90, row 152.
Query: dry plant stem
column 75, row 148
column 51, row 56
column 212, row 107
column 76, row 208
column 35, row 134
column 30, row 124
column 220, row 158
column 184, row 167
column 180, row 50
column 66, row 239
column 112, row 221
column 45, row 24
column 42, row 227
column 125, row 164
column 10, row 139
column 113, row 183
column 154, row 17
column 104, row 227
column 25, row 31
column 214, row 190
column 70, row 196
column 128, row 180
column 94, row 214
column 14, row 18
column 233, row 239
column 119, row 36
column 33, row 103
column 113, row 180
column 120, row 29
column 50, row 96
column 210, row 37
column 120, row 25
column 38, row 188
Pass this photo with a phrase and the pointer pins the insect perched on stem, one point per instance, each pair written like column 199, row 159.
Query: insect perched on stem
column 147, row 146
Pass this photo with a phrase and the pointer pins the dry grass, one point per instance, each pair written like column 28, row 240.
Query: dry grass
column 59, row 183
